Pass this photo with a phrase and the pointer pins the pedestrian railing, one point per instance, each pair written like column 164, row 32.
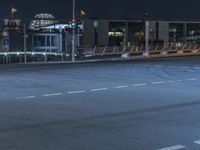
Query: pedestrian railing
column 113, row 51
column 158, row 49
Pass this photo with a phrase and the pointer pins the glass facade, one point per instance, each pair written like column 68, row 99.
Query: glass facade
column 193, row 32
column 117, row 33
column 45, row 42
column 176, row 33
column 135, row 32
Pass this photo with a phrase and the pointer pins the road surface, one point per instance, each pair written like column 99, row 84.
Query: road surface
column 132, row 105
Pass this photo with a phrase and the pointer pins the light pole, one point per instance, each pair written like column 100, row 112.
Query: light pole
column 73, row 32
column 146, row 30
column 25, row 48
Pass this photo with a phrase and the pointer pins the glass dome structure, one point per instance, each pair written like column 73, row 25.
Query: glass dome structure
column 42, row 20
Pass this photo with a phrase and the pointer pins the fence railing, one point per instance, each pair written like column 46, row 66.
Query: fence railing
column 134, row 50
column 159, row 49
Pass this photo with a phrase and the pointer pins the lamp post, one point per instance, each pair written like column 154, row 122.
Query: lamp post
column 73, row 32
column 146, row 29
column 25, row 48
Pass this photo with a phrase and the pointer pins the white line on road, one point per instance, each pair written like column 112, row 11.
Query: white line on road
column 26, row 97
column 193, row 79
column 76, row 92
column 160, row 82
column 197, row 142
column 171, row 81
column 140, row 84
column 197, row 68
column 100, row 89
column 120, row 87
column 53, row 94
column 177, row 147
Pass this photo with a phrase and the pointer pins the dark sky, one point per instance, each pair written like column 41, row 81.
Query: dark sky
column 117, row 9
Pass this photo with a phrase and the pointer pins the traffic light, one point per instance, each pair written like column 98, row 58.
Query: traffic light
column 74, row 23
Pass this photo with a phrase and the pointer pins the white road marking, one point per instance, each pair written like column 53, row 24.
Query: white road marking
column 26, row 97
column 193, row 79
column 171, row 81
column 197, row 68
column 76, row 92
column 117, row 87
column 100, row 89
column 120, row 87
column 160, row 82
column 177, row 147
column 197, row 142
column 140, row 84
column 53, row 94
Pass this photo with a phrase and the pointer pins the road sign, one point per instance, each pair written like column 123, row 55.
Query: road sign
column 5, row 34
column 6, row 42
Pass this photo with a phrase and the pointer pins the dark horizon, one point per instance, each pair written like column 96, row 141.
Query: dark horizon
column 112, row 9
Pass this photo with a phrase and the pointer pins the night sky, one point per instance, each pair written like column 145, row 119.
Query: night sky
column 116, row 9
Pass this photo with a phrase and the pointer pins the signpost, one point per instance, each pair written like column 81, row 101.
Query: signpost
column 6, row 40
column 6, row 43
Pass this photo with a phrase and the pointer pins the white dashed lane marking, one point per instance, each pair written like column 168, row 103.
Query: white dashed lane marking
column 53, row 94
column 100, row 89
column 26, row 97
column 117, row 87
column 160, row 82
column 171, row 81
column 197, row 68
column 193, row 79
column 177, row 147
column 120, row 87
column 140, row 84
column 76, row 92
column 197, row 142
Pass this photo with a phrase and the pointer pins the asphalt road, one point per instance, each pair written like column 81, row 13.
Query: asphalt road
column 133, row 105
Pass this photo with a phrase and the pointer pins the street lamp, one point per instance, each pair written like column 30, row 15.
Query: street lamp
column 73, row 32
